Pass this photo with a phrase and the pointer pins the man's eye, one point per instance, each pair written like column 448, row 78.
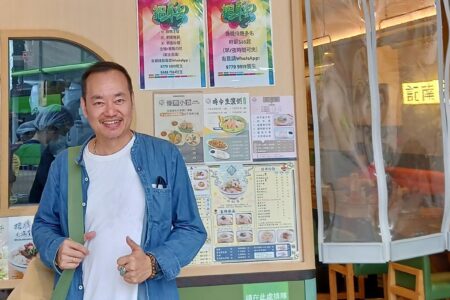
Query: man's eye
column 98, row 103
column 120, row 101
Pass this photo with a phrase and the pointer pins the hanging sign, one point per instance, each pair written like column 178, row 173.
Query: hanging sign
column 415, row 93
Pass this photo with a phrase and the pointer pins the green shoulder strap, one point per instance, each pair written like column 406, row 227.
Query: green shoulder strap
column 75, row 219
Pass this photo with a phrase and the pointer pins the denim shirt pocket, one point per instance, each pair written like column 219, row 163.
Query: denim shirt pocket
column 160, row 208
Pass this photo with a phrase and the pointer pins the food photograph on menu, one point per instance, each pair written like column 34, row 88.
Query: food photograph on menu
column 226, row 131
column 246, row 220
column 273, row 128
column 20, row 246
column 179, row 119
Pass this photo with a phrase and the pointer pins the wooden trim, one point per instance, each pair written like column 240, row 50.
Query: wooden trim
column 59, row 35
column 4, row 117
column 5, row 35
column 301, row 111
column 9, row 283
column 209, row 280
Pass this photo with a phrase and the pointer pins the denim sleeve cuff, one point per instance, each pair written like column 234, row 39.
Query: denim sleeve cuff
column 168, row 263
column 49, row 258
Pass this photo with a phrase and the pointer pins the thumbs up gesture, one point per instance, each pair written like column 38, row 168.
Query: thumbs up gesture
column 135, row 267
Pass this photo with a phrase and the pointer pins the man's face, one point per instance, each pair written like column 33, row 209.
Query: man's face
column 108, row 105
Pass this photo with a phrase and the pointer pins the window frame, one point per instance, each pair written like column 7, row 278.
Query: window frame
column 5, row 36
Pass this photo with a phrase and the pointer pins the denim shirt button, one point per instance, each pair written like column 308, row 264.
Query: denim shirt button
column 139, row 169
column 86, row 179
column 83, row 204
column 80, row 287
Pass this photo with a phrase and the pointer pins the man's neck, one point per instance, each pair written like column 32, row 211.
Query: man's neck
column 110, row 146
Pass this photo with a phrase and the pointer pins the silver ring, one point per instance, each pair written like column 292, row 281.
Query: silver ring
column 122, row 270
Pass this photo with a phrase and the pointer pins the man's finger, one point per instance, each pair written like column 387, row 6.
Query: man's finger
column 73, row 253
column 69, row 265
column 123, row 260
column 89, row 236
column 75, row 246
column 132, row 244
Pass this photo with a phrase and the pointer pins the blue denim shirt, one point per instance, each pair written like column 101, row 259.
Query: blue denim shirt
column 173, row 231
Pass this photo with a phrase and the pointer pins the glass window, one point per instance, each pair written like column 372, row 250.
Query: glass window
column 44, row 110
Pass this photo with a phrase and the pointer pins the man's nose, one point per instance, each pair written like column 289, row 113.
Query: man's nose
column 109, row 108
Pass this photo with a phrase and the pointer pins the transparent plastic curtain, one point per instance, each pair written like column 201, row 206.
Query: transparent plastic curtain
column 444, row 72
column 411, row 124
column 347, row 175
column 377, row 120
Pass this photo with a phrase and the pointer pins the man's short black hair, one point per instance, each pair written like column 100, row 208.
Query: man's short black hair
column 104, row 66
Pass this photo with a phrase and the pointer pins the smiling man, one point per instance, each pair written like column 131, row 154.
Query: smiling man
column 141, row 218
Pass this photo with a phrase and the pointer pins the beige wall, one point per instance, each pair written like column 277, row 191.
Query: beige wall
column 112, row 26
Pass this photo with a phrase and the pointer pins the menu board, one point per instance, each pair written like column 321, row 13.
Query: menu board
column 273, row 128
column 226, row 131
column 179, row 119
column 240, row 152
column 20, row 245
column 249, row 212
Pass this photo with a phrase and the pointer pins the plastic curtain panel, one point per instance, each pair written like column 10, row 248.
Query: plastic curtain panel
column 378, row 119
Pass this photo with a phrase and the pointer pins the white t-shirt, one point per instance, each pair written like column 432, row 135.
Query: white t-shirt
column 115, row 209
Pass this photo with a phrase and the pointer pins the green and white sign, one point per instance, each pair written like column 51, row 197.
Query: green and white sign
column 266, row 291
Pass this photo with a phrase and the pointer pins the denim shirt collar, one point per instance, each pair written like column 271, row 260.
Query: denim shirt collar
column 79, row 159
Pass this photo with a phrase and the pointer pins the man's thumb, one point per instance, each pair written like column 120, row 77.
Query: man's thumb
column 132, row 244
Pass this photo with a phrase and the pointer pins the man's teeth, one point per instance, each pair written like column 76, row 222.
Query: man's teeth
column 111, row 122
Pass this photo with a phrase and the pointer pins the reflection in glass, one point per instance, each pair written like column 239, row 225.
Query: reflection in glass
column 411, row 133
column 44, row 110
column 349, row 189
column 413, row 130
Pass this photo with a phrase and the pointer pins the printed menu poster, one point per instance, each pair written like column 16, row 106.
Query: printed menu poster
column 3, row 248
column 20, row 245
column 199, row 175
column 273, row 128
column 240, row 43
column 226, row 132
column 171, row 44
column 249, row 212
column 179, row 119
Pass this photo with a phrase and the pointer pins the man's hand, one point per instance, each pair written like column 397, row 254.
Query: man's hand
column 71, row 254
column 138, row 265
